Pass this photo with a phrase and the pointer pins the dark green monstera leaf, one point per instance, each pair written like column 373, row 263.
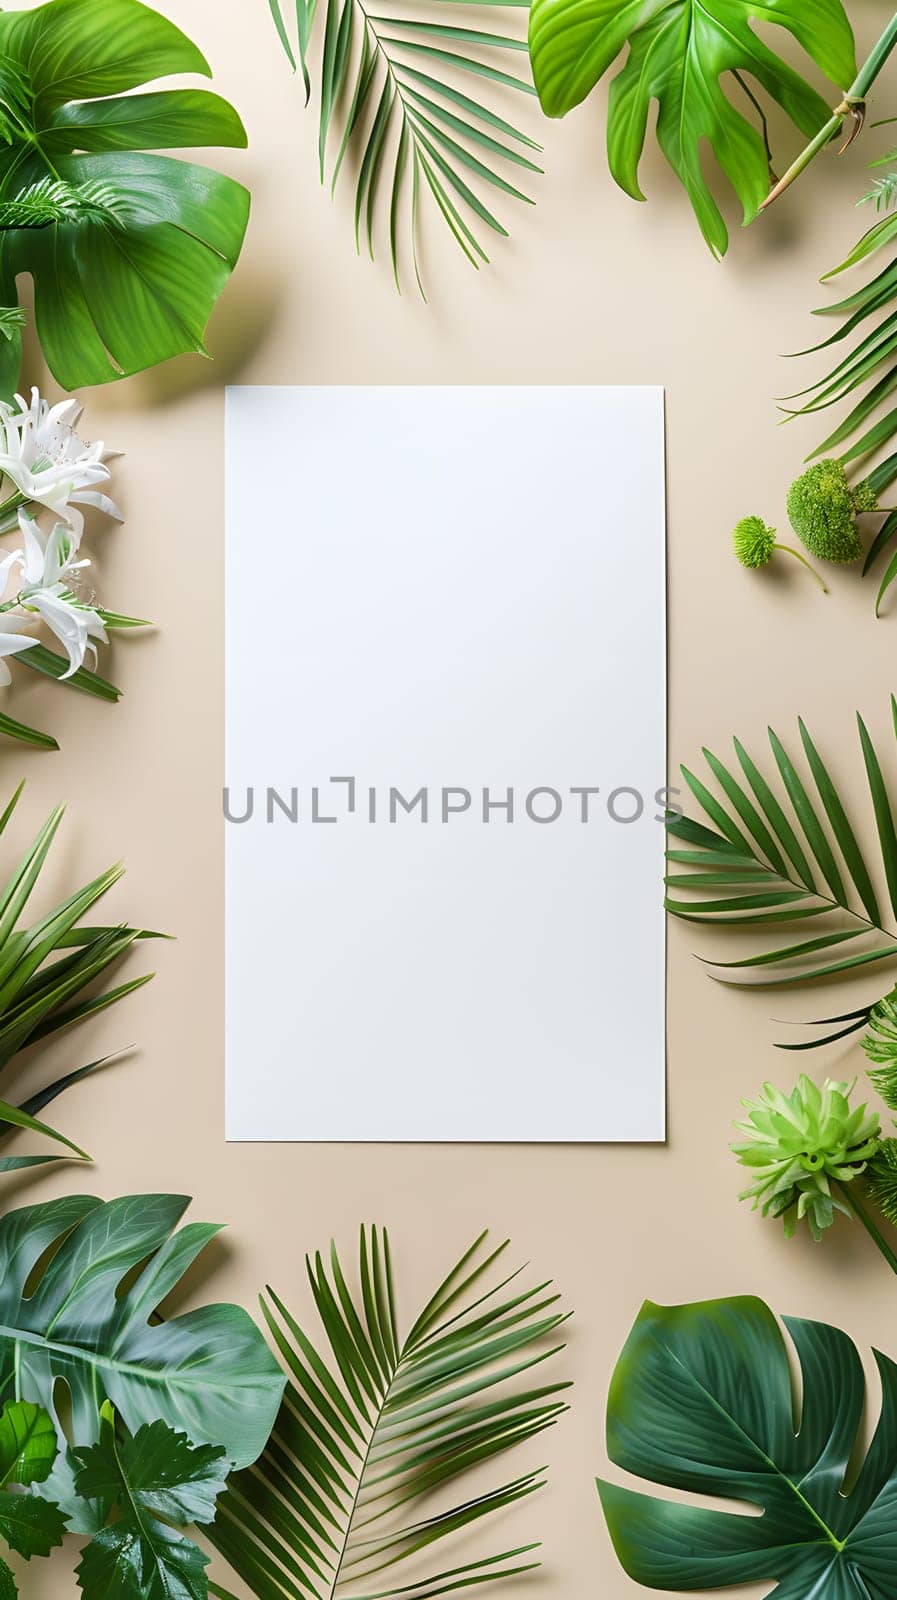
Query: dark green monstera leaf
column 703, row 64
column 128, row 250
column 702, row 1400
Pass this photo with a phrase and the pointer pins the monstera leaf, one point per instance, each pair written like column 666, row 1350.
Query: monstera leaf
column 679, row 52
column 702, row 1400
column 128, row 251
column 85, row 1318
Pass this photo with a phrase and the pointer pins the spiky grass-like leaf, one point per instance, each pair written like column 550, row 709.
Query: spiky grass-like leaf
column 49, row 970
column 399, row 104
column 786, row 852
column 370, row 1429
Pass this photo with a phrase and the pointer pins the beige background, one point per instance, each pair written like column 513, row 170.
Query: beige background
column 591, row 288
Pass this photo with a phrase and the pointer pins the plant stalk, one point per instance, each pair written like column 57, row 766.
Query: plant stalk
column 790, row 551
column 852, row 105
column 871, row 1227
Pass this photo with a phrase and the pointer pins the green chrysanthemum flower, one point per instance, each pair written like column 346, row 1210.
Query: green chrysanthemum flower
column 755, row 544
column 797, row 1145
column 823, row 508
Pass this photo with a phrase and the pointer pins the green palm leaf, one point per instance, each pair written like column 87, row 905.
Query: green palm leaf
column 786, row 851
column 373, row 1428
column 702, row 1400
column 868, row 331
column 49, row 974
column 396, row 97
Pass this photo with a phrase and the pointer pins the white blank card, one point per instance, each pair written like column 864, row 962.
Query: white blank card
column 445, row 764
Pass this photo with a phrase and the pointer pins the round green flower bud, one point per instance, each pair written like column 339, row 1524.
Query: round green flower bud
column 797, row 1144
column 822, row 510
column 754, row 542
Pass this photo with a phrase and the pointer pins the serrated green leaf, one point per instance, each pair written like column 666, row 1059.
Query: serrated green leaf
column 145, row 1482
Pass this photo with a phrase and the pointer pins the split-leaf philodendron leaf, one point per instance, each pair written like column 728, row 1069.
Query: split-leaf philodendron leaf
column 83, row 1319
column 702, row 1401
column 703, row 64
column 129, row 264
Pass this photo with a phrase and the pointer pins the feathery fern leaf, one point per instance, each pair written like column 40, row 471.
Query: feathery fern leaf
column 12, row 320
column 881, row 1178
column 787, row 852
column 394, row 88
column 880, row 1045
column 365, row 1434
column 883, row 194
column 50, row 200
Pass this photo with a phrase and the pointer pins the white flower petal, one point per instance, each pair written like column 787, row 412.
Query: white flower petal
column 91, row 497
column 67, row 622
column 34, row 555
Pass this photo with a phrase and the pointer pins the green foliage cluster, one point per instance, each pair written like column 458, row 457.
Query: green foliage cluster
column 128, row 251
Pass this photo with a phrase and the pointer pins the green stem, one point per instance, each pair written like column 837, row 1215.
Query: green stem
column 790, row 551
column 852, row 104
column 869, row 1224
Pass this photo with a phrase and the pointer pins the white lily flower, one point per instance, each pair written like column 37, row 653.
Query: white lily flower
column 47, row 558
column 13, row 639
column 47, row 463
column 74, row 626
column 13, row 559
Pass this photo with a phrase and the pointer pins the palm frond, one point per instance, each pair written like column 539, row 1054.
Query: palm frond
column 378, row 1424
column 868, row 318
column 785, row 852
column 396, row 98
